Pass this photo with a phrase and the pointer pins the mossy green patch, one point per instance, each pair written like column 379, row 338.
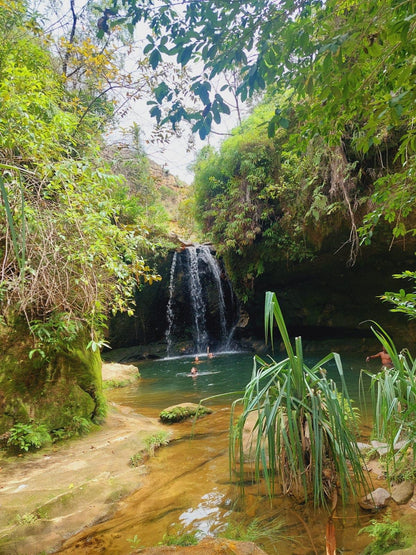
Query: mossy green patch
column 177, row 413
column 62, row 390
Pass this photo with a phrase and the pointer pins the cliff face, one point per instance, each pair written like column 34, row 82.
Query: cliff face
column 324, row 298
column 321, row 299
column 173, row 193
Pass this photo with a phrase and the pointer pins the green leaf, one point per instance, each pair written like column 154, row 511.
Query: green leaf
column 155, row 58
column 185, row 55
column 161, row 91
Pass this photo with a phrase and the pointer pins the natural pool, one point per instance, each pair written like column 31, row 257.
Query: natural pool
column 167, row 380
column 188, row 485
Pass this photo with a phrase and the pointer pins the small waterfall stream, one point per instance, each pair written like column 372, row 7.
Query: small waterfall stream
column 199, row 331
column 169, row 311
column 202, row 310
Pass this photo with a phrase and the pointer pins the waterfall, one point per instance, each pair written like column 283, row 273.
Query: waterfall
column 205, row 254
column 169, row 311
column 197, row 301
column 202, row 310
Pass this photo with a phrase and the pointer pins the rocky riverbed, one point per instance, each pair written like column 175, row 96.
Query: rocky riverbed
column 47, row 496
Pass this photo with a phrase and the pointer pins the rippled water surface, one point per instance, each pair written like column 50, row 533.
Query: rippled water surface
column 168, row 381
column 187, row 485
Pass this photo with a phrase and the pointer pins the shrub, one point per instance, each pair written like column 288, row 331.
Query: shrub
column 28, row 436
column 388, row 535
column 179, row 413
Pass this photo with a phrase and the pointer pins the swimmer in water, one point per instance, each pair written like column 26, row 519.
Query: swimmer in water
column 384, row 357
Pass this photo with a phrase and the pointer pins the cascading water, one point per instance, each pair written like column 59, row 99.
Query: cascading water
column 202, row 310
column 169, row 312
column 200, row 335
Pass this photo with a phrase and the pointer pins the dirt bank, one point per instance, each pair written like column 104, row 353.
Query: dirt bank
column 47, row 496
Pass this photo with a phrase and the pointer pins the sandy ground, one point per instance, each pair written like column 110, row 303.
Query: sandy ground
column 47, row 496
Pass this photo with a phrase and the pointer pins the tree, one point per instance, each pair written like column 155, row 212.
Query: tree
column 348, row 65
column 68, row 257
column 65, row 207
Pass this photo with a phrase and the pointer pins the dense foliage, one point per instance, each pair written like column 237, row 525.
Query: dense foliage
column 337, row 133
column 72, row 247
column 78, row 225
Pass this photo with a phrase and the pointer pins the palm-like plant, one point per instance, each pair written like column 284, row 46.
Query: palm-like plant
column 304, row 436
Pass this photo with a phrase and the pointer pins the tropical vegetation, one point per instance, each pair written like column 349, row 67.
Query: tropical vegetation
column 75, row 233
column 394, row 404
column 327, row 158
column 304, row 431
column 332, row 148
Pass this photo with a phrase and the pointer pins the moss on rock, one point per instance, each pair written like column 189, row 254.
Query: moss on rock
column 54, row 390
column 183, row 411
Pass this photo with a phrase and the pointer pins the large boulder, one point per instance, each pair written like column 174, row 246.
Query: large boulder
column 403, row 492
column 61, row 390
column 122, row 374
column 377, row 499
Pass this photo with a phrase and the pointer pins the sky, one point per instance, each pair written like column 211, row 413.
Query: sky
column 175, row 156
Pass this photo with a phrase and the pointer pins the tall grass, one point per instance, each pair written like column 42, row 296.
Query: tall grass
column 394, row 403
column 304, row 435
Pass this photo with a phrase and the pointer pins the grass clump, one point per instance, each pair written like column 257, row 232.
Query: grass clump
column 256, row 531
column 31, row 518
column 152, row 443
column 115, row 384
column 180, row 537
column 136, row 459
column 388, row 536
column 156, row 440
column 135, row 542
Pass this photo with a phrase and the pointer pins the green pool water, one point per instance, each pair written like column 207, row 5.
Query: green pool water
column 167, row 381
column 188, row 486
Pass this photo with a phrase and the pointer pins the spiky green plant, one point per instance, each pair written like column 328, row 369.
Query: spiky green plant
column 303, row 443
column 394, row 403
column 256, row 531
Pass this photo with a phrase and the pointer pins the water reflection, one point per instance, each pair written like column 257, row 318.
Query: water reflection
column 206, row 516
column 189, row 483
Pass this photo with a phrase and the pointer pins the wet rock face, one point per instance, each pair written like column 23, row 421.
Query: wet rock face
column 202, row 307
column 194, row 324
column 324, row 298
column 53, row 391
column 194, row 305
column 321, row 299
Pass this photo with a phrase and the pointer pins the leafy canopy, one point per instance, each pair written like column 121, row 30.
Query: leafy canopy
column 348, row 67
column 289, row 44
column 70, row 252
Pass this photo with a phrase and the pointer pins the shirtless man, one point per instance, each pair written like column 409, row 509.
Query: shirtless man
column 384, row 356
